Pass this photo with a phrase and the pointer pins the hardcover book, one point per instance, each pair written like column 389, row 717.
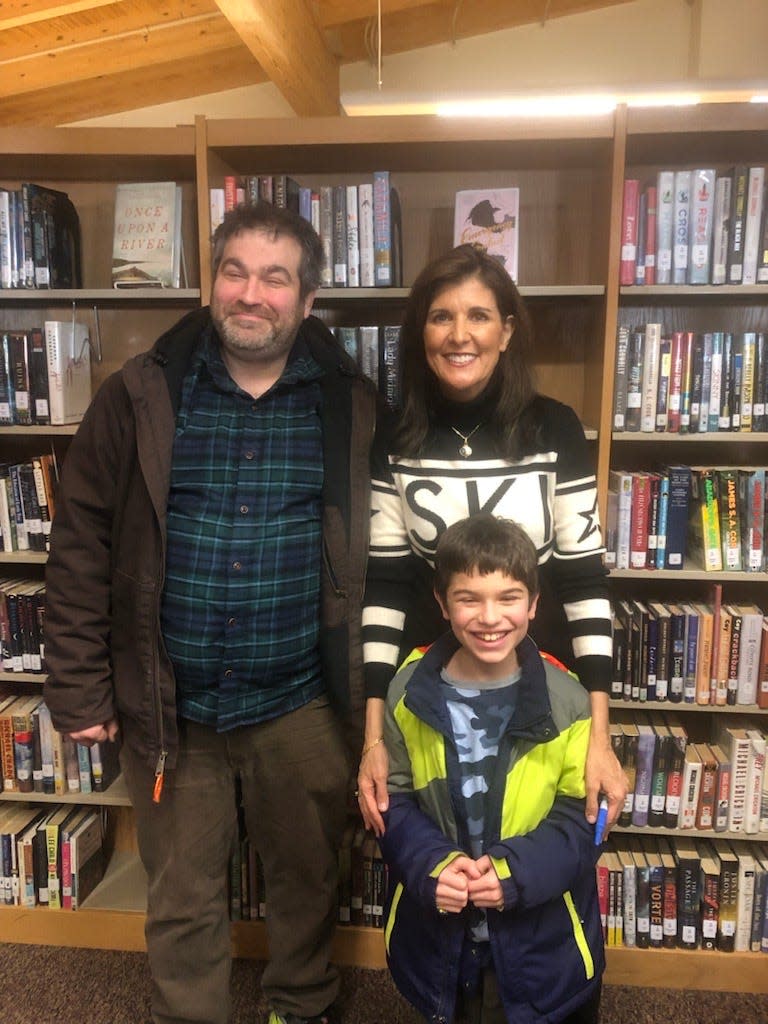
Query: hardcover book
column 665, row 199
column 490, row 218
column 629, row 231
column 682, row 215
column 721, row 228
column 702, row 214
column 68, row 350
column 739, row 186
column 146, row 250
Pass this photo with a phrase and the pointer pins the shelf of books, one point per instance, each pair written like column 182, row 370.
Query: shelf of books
column 384, row 194
column 685, row 872
column 77, row 297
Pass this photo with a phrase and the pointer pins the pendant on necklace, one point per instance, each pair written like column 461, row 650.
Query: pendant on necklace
column 466, row 449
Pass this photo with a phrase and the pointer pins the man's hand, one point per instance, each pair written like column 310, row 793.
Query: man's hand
column 96, row 733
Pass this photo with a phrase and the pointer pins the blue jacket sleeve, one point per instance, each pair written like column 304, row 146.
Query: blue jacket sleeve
column 541, row 865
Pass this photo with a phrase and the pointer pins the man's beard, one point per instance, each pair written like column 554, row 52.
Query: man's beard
column 270, row 340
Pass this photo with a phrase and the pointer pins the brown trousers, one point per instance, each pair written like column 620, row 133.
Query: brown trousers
column 294, row 773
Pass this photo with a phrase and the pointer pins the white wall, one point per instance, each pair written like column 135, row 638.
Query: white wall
column 641, row 44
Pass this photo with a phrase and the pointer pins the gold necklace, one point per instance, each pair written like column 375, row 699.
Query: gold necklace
column 466, row 450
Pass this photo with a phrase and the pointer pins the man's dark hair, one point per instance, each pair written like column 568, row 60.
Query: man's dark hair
column 277, row 223
column 484, row 543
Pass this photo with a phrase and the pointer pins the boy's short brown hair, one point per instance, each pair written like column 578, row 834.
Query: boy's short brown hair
column 484, row 543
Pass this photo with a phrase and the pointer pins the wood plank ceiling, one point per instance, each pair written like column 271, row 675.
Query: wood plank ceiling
column 67, row 60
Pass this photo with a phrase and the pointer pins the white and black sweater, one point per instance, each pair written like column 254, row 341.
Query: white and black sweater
column 550, row 492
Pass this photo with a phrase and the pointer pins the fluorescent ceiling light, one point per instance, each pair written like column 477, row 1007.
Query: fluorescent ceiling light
column 534, row 106
column 759, row 99
column 664, row 99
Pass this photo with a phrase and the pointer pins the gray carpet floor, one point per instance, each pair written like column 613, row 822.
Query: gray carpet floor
column 50, row 985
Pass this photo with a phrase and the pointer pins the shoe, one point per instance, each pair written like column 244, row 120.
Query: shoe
column 291, row 1018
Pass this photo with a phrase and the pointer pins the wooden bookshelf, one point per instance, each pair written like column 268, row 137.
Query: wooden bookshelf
column 570, row 172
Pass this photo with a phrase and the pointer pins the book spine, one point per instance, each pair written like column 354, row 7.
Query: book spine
column 651, row 213
column 382, row 229
column 326, row 234
column 353, row 238
column 365, row 221
column 754, row 207
column 340, row 278
column 650, row 381
column 620, row 379
column 682, row 213
column 665, row 192
column 630, row 214
column 739, row 186
column 702, row 212
column 721, row 228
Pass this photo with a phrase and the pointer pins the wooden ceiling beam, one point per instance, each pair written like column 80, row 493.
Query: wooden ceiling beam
column 101, row 25
column 15, row 13
column 195, row 41
column 287, row 42
column 131, row 90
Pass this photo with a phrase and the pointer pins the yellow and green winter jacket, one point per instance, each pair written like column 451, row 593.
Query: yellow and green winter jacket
column 546, row 944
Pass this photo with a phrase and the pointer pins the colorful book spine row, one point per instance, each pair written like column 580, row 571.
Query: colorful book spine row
column 376, row 351
column 45, row 374
column 36, row 758
column 50, row 857
column 358, row 224
column 693, row 652
column 712, row 516
column 674, row 782
column 27, row 504
column 695, row 227
column 22, row 616
column 362, row 880
column 689, row 383
column 681, row 894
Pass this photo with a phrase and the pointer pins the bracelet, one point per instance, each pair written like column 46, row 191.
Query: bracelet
column 370, row 746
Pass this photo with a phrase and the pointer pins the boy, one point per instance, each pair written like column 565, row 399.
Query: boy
column 492, row 904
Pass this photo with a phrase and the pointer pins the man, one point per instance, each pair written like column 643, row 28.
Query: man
column 203, row 596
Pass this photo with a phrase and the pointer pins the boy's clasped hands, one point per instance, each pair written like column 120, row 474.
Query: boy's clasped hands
column 465, row 881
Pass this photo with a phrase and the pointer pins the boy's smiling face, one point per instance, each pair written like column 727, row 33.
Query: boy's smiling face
column 489, row 615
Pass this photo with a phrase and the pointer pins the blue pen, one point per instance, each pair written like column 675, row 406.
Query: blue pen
column 602, row 817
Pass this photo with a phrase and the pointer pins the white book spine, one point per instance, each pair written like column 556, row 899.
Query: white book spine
column 651, row 361
column 682, row 214
column 665, row 205
column 749, row 657
column 353, row 238
column 365, row 229
column 6, row 279
column 752, row 224
column 702, row 210
column 755, row 776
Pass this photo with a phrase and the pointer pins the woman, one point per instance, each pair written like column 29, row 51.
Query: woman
column 475, row 435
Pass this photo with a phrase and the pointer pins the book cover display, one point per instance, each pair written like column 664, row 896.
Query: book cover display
column 490, row 218
column 146, row 250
